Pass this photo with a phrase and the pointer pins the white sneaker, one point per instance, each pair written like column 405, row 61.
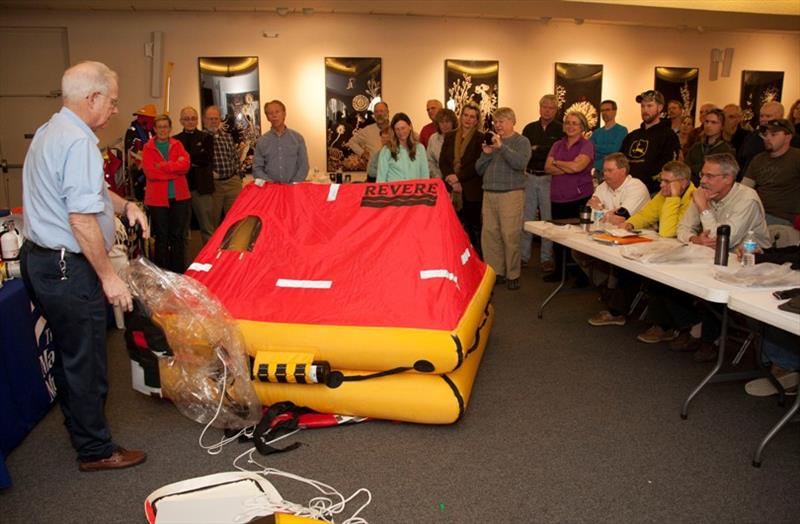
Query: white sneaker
column 762, row 387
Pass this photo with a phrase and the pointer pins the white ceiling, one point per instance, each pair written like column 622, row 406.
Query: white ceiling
column 703, row 15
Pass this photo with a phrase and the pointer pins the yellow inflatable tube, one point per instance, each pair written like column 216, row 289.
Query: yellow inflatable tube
column 408, row 396
column 376, row 348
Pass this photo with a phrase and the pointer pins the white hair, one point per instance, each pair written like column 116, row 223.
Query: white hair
column 85, row 78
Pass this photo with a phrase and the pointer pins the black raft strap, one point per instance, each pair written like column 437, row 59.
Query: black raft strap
column 266, row 432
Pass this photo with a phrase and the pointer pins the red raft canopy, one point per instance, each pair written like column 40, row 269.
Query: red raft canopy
column 367, row 277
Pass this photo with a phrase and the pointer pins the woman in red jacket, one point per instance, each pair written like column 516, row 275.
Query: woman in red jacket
column 165, row 163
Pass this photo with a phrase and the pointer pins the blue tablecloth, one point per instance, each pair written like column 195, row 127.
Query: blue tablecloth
column 26, row 358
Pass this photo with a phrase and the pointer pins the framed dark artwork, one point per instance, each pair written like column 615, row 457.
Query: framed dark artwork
column 579, row 87
column 678, row 83
column 758, row 88
column 231, row 84
column 352, row 88
column 475, row 80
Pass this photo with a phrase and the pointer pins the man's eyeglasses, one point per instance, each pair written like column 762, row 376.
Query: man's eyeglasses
column 114, row 101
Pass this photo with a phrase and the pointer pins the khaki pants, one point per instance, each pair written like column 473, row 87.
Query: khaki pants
column 225, row 193
column 502, row 223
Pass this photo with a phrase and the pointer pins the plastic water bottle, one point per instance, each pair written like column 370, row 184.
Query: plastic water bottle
column 749, row 246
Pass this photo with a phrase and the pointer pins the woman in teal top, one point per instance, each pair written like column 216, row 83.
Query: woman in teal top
column 404, row 158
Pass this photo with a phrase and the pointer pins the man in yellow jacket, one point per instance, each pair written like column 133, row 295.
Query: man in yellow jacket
column 664, row 212
column 667, row 207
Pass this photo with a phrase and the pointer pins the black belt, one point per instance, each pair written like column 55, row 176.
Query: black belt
column 535, row 172
column 36, row 248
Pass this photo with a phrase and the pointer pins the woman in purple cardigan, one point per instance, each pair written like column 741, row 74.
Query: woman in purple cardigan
column 570, row 162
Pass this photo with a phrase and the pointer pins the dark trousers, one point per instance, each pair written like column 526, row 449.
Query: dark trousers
column 564, row 210
column 470, row 216
column 669, row 308
column 621, row 297
column 169, row 226
column 75, row 309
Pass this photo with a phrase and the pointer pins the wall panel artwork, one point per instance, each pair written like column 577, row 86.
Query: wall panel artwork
column 678, row 83
column 475, row 80
column 579, row 87
column 231, row 83
column 758, row 88
column 352, row 88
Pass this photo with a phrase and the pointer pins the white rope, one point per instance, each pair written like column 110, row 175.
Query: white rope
column 323, row 508
column 216, row 448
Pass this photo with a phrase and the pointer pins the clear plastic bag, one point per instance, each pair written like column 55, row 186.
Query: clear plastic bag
column 208, row 361
column 668, row 252
column 766, row 274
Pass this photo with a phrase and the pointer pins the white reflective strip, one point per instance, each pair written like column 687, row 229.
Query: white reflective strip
column 196, row 266
column 332, row 192
column 425, row 274
column 465, row 256
column 310, row 284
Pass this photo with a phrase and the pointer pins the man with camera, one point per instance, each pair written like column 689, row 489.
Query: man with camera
column 502, row 166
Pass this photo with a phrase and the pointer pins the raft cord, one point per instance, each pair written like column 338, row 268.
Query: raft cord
column 216, row 448
column 321, row 508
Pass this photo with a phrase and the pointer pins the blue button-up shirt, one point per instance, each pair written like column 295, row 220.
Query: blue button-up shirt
column 281, row 158
column 63, row 174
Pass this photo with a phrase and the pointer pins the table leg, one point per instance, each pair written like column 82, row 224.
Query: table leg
column 782, row 422
column 563, row 278
column 717, row 366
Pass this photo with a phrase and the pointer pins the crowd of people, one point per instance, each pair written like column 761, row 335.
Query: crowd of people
column 665, row 175
column 680, row 181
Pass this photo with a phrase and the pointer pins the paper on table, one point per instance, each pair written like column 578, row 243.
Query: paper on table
column 619, row 232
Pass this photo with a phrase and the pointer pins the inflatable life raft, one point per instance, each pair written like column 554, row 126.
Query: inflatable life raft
column 357, row 299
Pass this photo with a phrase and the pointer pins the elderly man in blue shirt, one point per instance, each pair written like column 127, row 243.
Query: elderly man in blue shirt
column 281, row 154
column 69, row 227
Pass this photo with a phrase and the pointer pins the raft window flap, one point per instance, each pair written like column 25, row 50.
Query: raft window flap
column 242, row 234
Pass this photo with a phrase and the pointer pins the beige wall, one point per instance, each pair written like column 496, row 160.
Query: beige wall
column 413, row 50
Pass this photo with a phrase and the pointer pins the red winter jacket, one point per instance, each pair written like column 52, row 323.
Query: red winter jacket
column 174, row 169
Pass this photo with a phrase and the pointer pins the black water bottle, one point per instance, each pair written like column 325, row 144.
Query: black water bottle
column 585, row 218
column 723, row 243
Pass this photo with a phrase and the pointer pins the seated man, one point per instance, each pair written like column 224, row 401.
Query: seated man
column 620, row 194
column 663, row 213
column 779, row 348
column 775, row 173
column 720, row 200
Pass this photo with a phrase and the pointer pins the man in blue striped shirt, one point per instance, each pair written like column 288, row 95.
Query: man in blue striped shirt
column 281, row 154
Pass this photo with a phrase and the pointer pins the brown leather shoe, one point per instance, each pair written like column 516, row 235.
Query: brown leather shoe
column 685, row 342
column 706, row 353
column 121, row 458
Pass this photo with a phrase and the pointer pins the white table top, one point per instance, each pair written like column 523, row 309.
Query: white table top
column 695, row 279
column 763, row 306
